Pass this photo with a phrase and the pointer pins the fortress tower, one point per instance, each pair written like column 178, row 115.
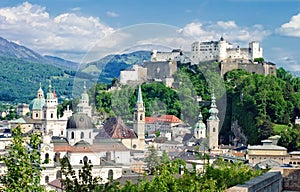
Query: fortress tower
column 255, row 50
column 222, row 49
column 213, row 124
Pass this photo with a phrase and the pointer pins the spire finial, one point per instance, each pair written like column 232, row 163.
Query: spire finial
column 140, row 97
column 50, row 87
column 84, row 87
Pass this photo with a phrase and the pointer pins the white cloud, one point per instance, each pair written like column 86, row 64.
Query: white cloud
column 112, row 14
column 67, row 34
column 76, row 9
column 292, row 28
column 228, row 29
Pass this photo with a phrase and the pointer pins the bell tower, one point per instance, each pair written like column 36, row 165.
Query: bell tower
column 139, row 116
column 213, row 124
column 200, row 128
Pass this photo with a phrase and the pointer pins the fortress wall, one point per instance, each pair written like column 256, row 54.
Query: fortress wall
column 266, row 69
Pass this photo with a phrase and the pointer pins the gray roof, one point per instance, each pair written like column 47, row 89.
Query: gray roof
column 80, row 121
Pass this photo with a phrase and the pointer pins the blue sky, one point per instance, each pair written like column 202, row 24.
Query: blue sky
column 73, row 28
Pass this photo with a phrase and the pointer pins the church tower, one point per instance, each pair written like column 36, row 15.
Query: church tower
column 50, row 108
column 50, row 113
column 213, row 124
column 200, row 128
column 139, row 116
column 83, row 106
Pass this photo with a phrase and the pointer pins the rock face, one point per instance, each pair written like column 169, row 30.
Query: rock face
column 116, row 129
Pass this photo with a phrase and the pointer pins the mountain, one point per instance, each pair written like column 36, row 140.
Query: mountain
column 10, row 49
column 59, row 62
column 13, row 50
column 110, row 66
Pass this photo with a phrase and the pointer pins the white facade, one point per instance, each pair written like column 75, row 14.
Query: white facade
column 220, row 50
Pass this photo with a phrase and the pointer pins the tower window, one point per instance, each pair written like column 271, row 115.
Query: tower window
column 90, row 135
column 81, row 135
column 141, row 117
column 214, row 129
column 51, row 116
column 36, row 115
column 47, row 179
column 72, row 135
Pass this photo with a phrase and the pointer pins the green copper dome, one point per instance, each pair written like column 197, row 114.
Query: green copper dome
column 37, row 104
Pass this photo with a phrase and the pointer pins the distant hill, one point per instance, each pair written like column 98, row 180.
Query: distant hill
column 13, row 50
column 22, row 69
column 110, row 66
column 19, row 80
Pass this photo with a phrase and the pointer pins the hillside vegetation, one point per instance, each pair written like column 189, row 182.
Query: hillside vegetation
column 254, row 103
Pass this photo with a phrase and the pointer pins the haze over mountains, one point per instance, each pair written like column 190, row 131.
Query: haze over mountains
column 23, row 69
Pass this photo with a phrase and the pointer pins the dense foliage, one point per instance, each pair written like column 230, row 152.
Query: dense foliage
column 23, row 163
column 19, row 79
column 217, row 177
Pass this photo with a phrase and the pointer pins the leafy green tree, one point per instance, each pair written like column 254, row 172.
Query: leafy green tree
column 290, row 138
column 165, row 158
column 152, row 160
column 23, row 163
column 83, row 182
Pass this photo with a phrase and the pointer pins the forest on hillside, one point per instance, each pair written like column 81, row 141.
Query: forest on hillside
column 250, row 105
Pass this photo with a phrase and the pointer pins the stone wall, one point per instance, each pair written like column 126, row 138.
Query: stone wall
column 270, row 181
column 160, row 70
column 291, row 179
column 259, row 68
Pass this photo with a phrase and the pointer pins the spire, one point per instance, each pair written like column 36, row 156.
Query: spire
column 50, row 87
column 84, row 87
column 40, row 92
column 213, row 108
column 140, row 97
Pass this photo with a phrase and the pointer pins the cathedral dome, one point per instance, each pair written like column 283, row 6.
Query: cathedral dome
column 80, row 121
column 37, row 104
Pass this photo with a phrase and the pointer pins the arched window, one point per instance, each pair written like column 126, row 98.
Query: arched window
column 141, row 117
column 214, row 129
column 90, row 135
column 58, row 174
column 51, row 116
column 81, row 135
column 72, row 135
column 110, row 175
column 85, row 159
column 46, row 158
column 47, row 179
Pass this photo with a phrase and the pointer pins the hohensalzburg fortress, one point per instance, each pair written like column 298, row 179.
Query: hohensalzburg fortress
column 221, row 50
column 213, row 51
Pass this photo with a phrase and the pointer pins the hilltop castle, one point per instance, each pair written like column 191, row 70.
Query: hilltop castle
column 163, row 65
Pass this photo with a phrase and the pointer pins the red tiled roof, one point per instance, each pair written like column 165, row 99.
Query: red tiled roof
column 56, row 183
column 163, row 119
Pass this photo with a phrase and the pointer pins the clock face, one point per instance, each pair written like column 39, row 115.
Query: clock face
column 46, row 148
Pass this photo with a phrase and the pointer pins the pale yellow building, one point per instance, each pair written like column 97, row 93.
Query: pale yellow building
column 267, row 152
